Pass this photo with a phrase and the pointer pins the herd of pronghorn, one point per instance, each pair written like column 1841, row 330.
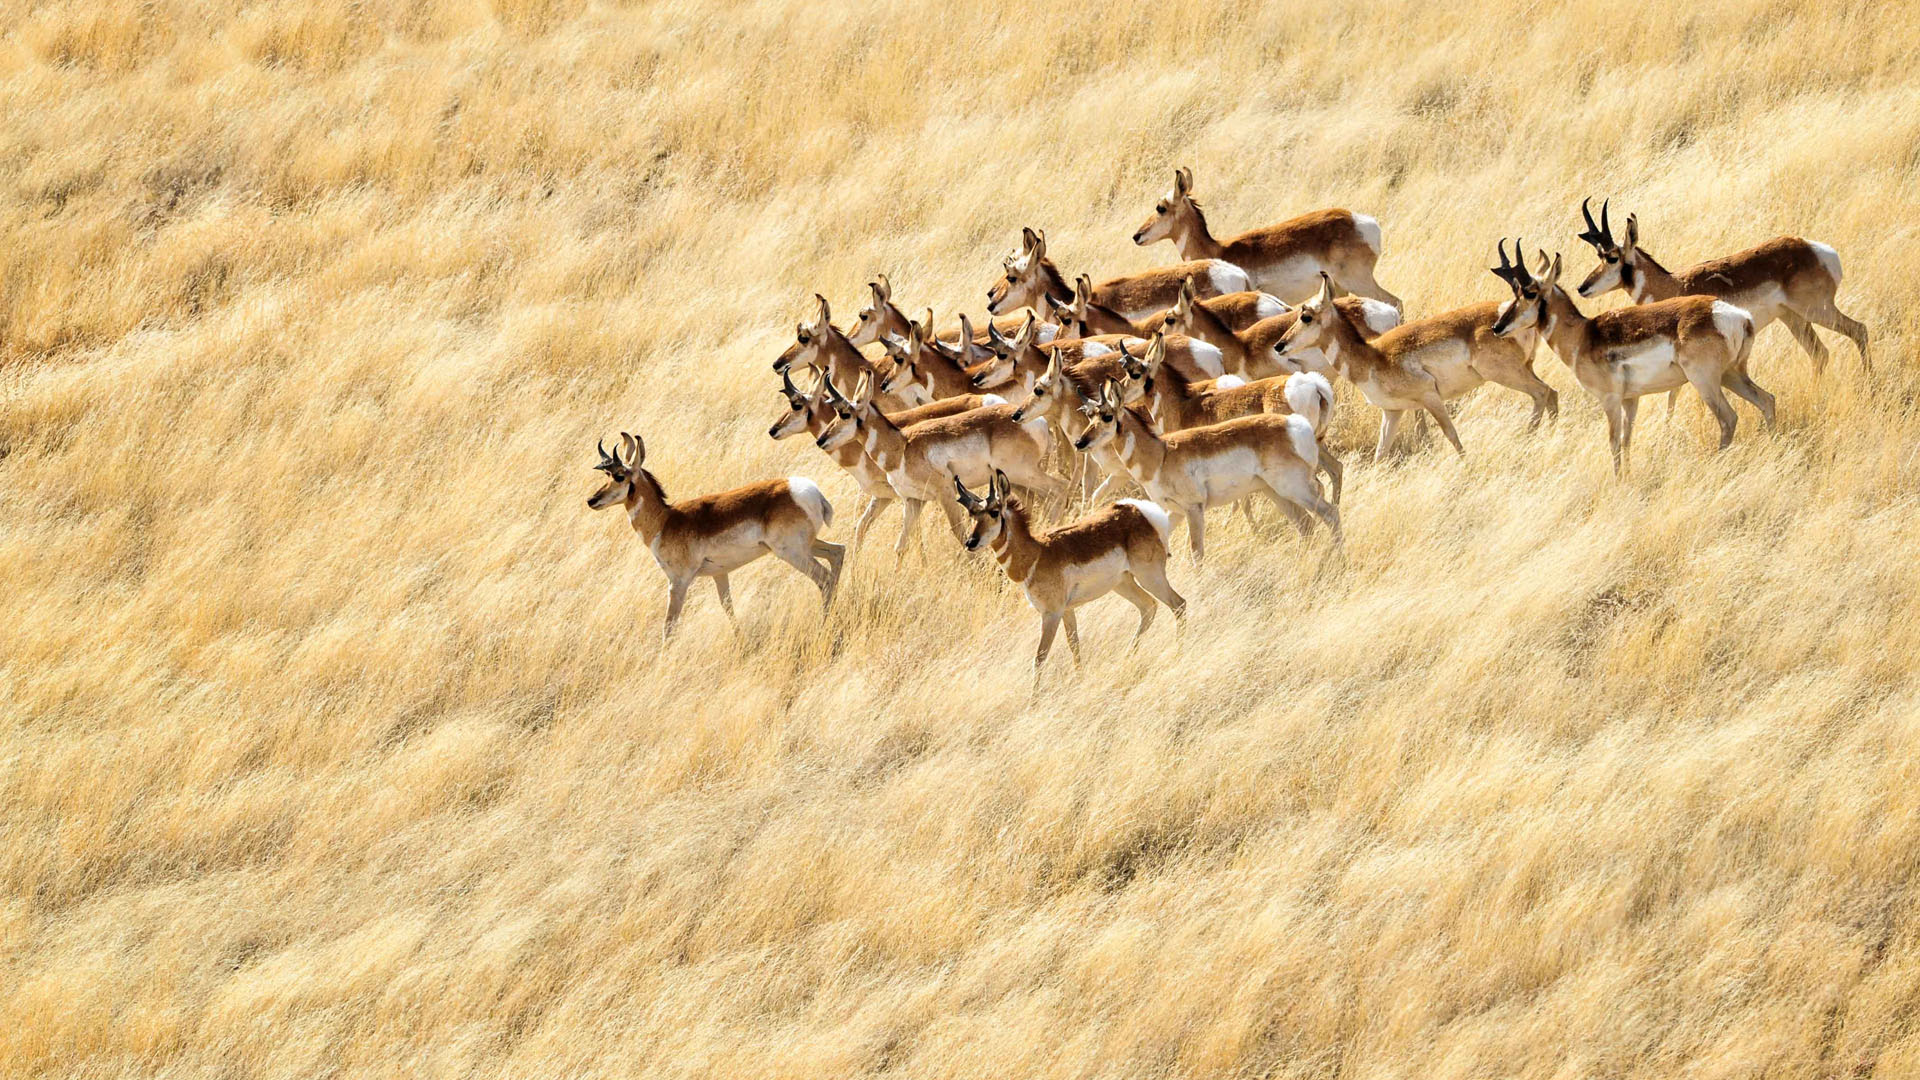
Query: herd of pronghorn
column 1201, row 384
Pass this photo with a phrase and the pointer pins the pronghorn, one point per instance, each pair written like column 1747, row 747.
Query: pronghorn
column 1620, row 356
column 881, row 320
column 1252, row 352
column 1082, row 316
column 822, row 346
column 1030, row 275
column 1062, row 389
column 714, row 535
column 920, row 460
column 1022, row 361
column 1786, row 278
column 1188, row 471
column 923, row 371
column 1121, row 549
column 1421, row 364
column 1283, row 259
column 1176, row 403
column 813, row 414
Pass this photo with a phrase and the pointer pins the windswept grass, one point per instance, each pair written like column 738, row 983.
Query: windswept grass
column 336, row 736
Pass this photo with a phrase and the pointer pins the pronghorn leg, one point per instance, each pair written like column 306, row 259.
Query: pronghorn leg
column 1546, row 400
column 1153, row 578
column 836, row 556
column 800, row 557
column 1742, row 384
column 1709, row 390
column 1197, row 530
column 910, row 514
column 1098, row 497
column 1611, row 406
column 874, row 506
column 1049, row 624
column 1629, row 411
column 1831, row 317
column 1130, row 591
column 1673, row 396
column 1439, row 410
column 1802, row 332
column 725, row 591
column 1300, row 518
column 1389, row 427
column 1073, row 635
column 676, row 599
column 1336, row 473
column 956, row 521
column 1246, row 510
column 1303, row 492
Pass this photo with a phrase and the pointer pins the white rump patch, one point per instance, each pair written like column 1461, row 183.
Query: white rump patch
column 1379, row 316
column 1228, row 382
column 811, row 499
column 1828, row 257
column 987, row 400
column 1369, row 230
column 1309, row 395
column 1095, row 348
column 1208, row 358
column 1734, row 323
column 1228, row 278
column 1300, row 432
column 1162, row 523
column 1268, row 306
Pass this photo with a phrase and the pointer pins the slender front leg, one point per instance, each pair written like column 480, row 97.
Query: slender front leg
column 1612, row 408
column 1073, row 636
column 1197, row 530
column 1629, row 410
column 676, row 599
column 910, row 514
column 1389, row 427
column 874, row 506
column 1049, row 624
column 721, row 586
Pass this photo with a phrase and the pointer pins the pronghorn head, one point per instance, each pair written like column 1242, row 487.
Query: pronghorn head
column 1102, row 415
column 1619, row 263
column 799, row 408
column 1312, row 328
column 989, row 513
column 850, row 416
column 1041, row 394
column 1170, row 213
column 1178, row 319
column 1025, row 277
column 622, row 476
column 1007, row 353
column 808, row 340
column 870, row 325
column 900, row 379
column 1531, row 290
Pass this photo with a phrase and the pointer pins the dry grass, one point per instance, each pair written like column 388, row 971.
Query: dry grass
column 337, row 737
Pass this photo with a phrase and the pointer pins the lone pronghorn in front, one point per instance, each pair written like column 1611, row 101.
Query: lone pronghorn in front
column 1622, row 355
column 714, row 535
column 1121, row 549
column 1421, row 364
column 1188, row 471
column 920, row 461
column 1786, row 278
column 1031, row 277
column 1286, row 259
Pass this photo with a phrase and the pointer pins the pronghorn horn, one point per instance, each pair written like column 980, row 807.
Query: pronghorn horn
column 786, row 379
column 1606, row 227
column 1592, row 235
column 1520, row 261
column 1505, row 270
column 606, row 459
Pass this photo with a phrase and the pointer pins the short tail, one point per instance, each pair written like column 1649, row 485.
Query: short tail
column 811, row 499
column 1310, row 396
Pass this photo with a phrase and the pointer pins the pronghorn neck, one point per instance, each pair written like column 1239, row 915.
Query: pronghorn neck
column 848, row 455
column 883, row 443
column 1015, row 548
column 1651, row 281
column 647, row 507
column 844, row 362
column 1566, row 327
column 1349, row 351
column 1192, row 238
column 1053, row 282
column 1169, row 394
column 1139, row 448
column 1205, row 325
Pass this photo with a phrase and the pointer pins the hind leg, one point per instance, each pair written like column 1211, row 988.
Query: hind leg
column 724, row 590
column 1439, row 410
column 1802, row 332
column 910, row 516
column 1303, row 492
column 1142, row 600
column 1546, row 400
column 1742, row 384
column 1389, row 427
column 836, row 557
column 1832, row 318
column 800, row 557
column 1336, row 473
column 1072, row 626
column 1708, row 388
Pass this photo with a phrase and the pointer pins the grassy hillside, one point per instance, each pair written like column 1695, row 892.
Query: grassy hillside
column 336, row 735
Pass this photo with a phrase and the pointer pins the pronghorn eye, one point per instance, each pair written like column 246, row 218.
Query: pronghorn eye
column 1009, row 279
column 1162, row 207
column 1305, row 318
column 1532, row 294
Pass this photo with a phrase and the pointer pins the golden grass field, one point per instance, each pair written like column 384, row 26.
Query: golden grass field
column 338, row 735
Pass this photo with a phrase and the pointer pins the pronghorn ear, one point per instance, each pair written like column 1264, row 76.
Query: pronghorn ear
column 799, row 331
column 825, row 317
column 1110, row 395
column 882, row 289
column 1027, row 331
column 1002, row 487
column 1553, row 275
column 1182, row 182
column 1633, row 231
column 1157, row 350
column 632, row 450
column 1039, row 243
column 1325, row 295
